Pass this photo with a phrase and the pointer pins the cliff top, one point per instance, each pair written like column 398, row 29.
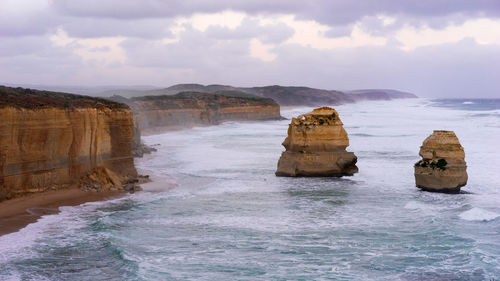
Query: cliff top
column 208, row 97
column 33, row 99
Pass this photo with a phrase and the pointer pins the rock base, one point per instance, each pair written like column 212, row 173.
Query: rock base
column 322, row 164
column 103, row 179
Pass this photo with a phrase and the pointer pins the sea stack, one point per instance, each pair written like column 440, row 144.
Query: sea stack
column 443, row 167
column 316, row 147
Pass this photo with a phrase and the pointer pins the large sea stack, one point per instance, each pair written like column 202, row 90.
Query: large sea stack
column 316, row 147
column 442, row 168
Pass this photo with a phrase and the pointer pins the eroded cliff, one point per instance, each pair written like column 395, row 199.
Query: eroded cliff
column 189, row 109
column 52, row 140
column 316, row 146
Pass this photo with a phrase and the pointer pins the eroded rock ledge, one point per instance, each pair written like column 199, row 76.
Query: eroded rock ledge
column 52, row 140
column 316, row 146
column 188, row 109
column 443, row 167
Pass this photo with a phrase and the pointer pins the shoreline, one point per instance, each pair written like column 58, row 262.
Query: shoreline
column 17, row 213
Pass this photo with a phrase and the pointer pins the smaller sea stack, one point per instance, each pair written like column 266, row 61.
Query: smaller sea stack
column 316, row 147
column 443, row 167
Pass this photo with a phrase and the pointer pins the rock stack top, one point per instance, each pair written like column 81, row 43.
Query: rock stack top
column 442, row 144
column 443, row 167
column 316, row 145
column 319, row 130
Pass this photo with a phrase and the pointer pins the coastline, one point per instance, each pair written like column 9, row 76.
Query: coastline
column 17, row 213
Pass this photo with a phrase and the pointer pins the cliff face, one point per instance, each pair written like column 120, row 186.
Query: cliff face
column 52, row 140
column 191, row 109
column 316, row 146
column 443, row 167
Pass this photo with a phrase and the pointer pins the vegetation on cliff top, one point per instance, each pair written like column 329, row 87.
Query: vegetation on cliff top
column 33, row 99
column 192, row 99
column 204, row 95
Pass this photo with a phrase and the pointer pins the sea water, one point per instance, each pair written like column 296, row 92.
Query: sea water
column 228, row 217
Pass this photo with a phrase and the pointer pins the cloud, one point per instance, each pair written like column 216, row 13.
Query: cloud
column 25, row 17
column 99, row 27
column 102, row 50
column 331, row 12
column 261, row 51
column 483, row 31
column 436, row 48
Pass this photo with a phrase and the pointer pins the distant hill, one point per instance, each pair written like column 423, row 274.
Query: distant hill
column 391, row 94
column 284, row 95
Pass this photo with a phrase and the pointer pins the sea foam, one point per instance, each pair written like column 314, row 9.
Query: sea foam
column 478, row 214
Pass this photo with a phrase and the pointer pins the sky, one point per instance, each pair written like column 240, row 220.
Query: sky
column 433, row 48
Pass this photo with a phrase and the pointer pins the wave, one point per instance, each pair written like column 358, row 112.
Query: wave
column 478, row 214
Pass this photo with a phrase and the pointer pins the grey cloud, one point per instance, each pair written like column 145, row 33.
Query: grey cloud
column 196, row 50
column 339, row 31
column 449, row 70
column 16, row 46
column 336, row 12
column 133, row 9
column 149, row 19
column 26, row 23
column 35, row 60
column 222, row 55
column 249, row 28
column 103, row 27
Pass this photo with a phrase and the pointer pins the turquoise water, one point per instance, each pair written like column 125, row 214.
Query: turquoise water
column 229, row 218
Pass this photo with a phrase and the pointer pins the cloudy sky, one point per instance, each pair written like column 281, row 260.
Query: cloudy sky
column 434, row 48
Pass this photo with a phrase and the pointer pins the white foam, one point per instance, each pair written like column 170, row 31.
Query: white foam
column 478, row 214
column 69, row 218
column 414, row 205
column 467, row 102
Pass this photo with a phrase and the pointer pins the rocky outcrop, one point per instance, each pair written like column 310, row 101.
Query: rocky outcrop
column 316, row 146
column 442, row 168
column 188, row 109
column 52, row 140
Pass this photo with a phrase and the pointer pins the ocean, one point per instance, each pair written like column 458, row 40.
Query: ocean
column 228, row 217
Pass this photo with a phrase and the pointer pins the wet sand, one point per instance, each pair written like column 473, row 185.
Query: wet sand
column 19, row 212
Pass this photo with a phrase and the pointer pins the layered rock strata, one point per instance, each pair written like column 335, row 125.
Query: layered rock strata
column 443, row 167
column 52, row 140
column 188, row 109
column 316, row 146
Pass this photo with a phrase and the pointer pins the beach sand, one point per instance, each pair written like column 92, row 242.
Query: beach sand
column 18, row 212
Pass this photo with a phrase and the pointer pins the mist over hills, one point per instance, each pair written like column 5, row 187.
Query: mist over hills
column 284, row 95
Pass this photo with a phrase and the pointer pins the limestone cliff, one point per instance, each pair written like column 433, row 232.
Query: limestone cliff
column 192, row 109
column 51, row 140
column 443, row 167
column 316, row 146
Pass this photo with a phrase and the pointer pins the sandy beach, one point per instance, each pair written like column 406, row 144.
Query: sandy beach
column 19, row 212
